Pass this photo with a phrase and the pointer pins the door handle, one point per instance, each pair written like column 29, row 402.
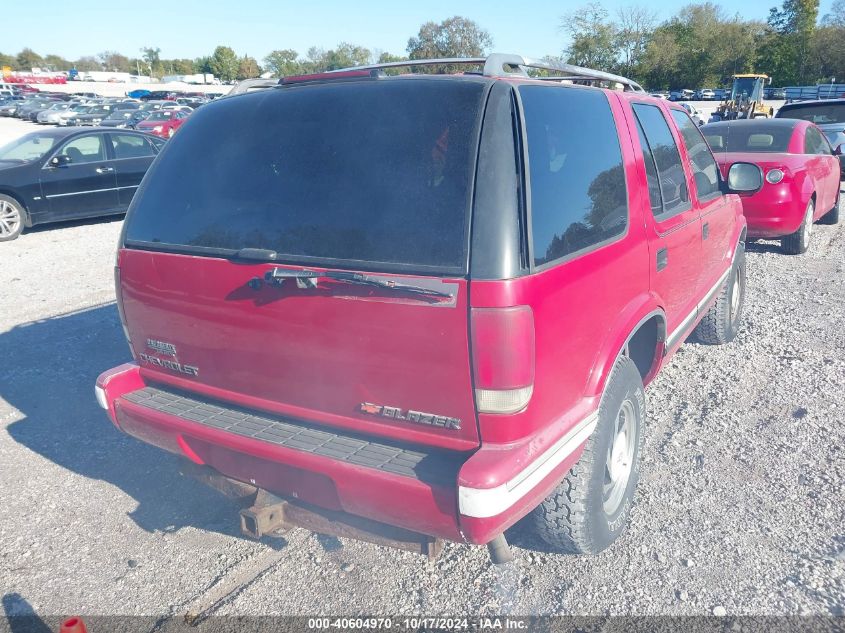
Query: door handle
column 705, row 230
column 104, row 170
column 662, row 258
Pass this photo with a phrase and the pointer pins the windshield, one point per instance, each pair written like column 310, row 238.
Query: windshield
column 376, row 172
column 161, row 115
column 727, row 137
column 818, row 113
column 746, row 88
column 118, row 115
column 27, row 148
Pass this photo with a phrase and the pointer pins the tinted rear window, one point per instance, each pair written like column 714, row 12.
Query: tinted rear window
column 578, row 194
column 747, row 138
column 377, row 172
column 819, row 114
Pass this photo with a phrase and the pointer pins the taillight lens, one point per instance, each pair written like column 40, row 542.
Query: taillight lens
column 119, row 296
column 503, row 354
column 774, row 176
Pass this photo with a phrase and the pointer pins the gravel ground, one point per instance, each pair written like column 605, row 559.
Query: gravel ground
column 740, row 510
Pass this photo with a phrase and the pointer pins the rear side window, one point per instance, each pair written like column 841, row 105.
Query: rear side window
column 374, row 171
column 704, row 168
column 814, row 142
column 670, row 170
column 130, row 146
column 654, row 195
column 578, row 195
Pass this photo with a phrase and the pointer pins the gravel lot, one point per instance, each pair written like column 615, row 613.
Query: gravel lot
column 741, row 507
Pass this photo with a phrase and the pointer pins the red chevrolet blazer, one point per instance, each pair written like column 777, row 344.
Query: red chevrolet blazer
column 802, row 176
column 420, row 307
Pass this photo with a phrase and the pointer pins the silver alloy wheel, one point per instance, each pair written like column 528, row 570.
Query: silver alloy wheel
column 808, row 225
column 736, row 293
column 10, row 218
column 620, row 458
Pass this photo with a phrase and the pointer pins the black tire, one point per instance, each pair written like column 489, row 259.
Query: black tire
column 573, row 518
column 798, row 242
column 12, row 218
column 832, row 216
column 721, row 322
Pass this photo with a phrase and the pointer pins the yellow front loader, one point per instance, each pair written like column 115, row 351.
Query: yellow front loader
column 745, row 100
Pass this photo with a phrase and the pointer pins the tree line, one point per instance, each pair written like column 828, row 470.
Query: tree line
column 701, row 45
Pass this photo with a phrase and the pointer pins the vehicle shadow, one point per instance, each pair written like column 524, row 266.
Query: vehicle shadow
column 49, row 369
column 763, row 247
column 21, row 617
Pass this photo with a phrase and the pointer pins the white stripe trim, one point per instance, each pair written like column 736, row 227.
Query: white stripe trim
column 79, row 193
column 684, row 326
column 489, row 502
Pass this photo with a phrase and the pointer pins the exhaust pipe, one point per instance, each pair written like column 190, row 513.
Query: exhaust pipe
column 500, row 551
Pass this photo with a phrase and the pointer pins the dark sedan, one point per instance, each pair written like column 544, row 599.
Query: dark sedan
column 829, row 115
column 70, row 173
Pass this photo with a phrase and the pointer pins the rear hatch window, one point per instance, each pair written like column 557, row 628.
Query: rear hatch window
column 370, row 175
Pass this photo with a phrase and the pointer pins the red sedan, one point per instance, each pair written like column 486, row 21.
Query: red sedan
column 801, row 173
column 163, row 123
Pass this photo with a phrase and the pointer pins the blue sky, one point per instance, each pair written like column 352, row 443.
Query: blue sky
column 191, row 28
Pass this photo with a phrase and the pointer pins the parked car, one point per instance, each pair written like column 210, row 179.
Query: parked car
column 51, row 114
column 70, row 173
column 32, row 105
column 828, row 114
column 118, row 118
column 9, row 106
column 836, row 138
column 802, row 176
column 681, row 95
column 136, row 117
column 695, row 113
column 660, row 95
column 706, row 94
column 126, row 105
column 93, row 116
column 163, row 123
column 310, row 315
column 152, row 105
column 64, row 117
column 161, row 95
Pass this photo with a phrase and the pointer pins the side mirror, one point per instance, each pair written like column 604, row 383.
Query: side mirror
column 745, row 178
column 837, row 151
column 60, row 161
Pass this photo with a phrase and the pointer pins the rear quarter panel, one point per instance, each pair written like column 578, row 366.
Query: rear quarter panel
column 584, row 309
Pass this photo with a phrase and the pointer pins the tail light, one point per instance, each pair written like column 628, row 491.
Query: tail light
column 503, row 358
column 774, row 176
column 119, row 296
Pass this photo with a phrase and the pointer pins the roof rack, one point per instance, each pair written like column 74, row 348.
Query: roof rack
column 505, row 65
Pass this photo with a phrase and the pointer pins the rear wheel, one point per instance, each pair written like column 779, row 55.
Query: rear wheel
column 589, row 509
column 12, row 218
column 798, row 242
column 721, row 323
column 832, row 216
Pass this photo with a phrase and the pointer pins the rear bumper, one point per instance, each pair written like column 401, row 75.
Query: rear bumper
column 773, row 215
column 451, row 495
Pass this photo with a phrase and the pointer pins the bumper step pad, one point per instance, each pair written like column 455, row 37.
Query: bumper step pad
column 434, row 467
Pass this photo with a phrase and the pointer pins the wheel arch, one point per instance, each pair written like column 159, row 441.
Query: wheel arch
column 27, row 216
column 640, row 334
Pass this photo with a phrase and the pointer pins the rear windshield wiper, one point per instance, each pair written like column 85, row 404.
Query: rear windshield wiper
column 308, row 279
